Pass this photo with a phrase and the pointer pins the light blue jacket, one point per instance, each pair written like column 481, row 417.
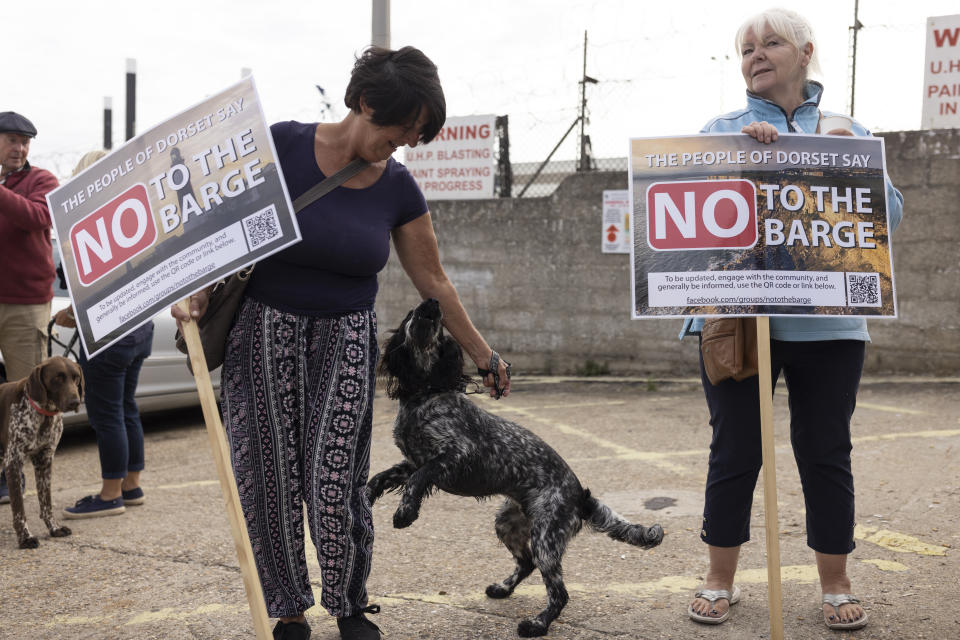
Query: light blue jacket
column 804, row 119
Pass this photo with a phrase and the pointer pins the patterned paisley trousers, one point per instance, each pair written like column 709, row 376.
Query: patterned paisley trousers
column 297, row 398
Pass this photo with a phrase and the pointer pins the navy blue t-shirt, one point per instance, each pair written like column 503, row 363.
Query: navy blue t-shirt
column 346, row 234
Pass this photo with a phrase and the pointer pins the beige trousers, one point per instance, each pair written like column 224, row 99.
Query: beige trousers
column 23, row 337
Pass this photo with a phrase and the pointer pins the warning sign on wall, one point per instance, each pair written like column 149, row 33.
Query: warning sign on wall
column 941, row 93
column 459, row 163
column 616, row 221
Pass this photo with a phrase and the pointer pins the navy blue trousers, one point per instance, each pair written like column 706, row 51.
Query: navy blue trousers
column 110, row 382
column 822, row 381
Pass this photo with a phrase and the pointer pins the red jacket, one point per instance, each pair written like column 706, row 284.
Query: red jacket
column 26, row 255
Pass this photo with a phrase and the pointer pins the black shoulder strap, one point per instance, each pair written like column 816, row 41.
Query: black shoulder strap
column 329, row 184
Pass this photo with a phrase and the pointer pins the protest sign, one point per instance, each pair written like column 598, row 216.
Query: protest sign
column 724, row 225
column 180, row 206
column 459, row 163
column 176, row 208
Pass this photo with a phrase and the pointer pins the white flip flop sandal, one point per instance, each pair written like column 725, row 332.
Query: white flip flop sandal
column 712, row 595
column 835, row 600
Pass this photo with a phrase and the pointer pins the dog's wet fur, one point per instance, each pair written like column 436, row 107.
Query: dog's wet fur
column 451, row 444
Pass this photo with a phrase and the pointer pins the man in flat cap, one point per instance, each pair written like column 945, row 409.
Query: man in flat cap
column 26, row 255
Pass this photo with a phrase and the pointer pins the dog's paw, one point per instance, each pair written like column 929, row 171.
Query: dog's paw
column 652, row 537
column 29, row 543
column 531, row 629
column 60, row 532
column 372, row 495
column 498, row 591
column 404, row 517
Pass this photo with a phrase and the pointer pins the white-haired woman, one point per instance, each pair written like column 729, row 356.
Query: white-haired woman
column 821, row 359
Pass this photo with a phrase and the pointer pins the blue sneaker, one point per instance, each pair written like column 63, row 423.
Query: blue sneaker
column 94, row 507
column 133, row 497
column 5, row 490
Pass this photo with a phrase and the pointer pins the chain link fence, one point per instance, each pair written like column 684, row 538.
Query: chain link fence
column 530, row 184
column 540, row 178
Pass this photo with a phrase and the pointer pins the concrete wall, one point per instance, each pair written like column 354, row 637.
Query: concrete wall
column 531, row 274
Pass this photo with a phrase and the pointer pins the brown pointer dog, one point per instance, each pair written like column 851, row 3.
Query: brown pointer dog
column 31, row 423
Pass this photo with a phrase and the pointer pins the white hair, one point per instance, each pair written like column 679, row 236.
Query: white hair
column 787, row 24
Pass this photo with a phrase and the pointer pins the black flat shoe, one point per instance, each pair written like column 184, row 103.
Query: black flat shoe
column 291, row 631
column 357, row 627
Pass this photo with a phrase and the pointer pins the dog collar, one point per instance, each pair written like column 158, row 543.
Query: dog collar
column 40, row 409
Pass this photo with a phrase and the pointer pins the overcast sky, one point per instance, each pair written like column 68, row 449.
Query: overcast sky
column 664, row 68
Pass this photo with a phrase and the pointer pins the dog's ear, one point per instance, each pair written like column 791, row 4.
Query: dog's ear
column 36, row 388
column 393, row 359
column 76, row 368
column 390, row 353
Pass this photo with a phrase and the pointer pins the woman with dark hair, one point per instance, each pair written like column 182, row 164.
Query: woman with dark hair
column 298, row 376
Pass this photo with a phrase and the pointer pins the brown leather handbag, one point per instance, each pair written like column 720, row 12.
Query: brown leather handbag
column 215, row 325
column 729, row 348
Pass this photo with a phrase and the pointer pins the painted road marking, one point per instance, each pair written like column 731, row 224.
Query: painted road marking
column 899, row 542
column 887, row 565
column 162, row 487
column 660, row 458
column 876, row 407
column 798, row 574
column 938, row 433
column 891, row 409
column 169, row 613
column 620, row 451
column 187, row 485
column 146, row 617
column 565, row 405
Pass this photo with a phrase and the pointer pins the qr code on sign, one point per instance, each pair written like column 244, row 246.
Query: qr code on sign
column 261, row 227
column 863, row 289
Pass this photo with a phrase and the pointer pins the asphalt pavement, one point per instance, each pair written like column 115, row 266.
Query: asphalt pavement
column 168, row 570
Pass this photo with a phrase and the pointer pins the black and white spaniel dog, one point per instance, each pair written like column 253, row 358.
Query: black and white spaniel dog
column 451, row 444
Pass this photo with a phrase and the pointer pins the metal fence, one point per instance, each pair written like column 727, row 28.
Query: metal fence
column 553, row 173
column 537, row 179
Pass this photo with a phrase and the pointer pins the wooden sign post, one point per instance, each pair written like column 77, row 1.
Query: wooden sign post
column 774, row 593
column 228, row 484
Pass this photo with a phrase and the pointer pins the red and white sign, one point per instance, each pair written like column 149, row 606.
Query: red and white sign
column 941, row 93
column 705, row 214
column 616, row 221
column 113, row 234
column 459, row 163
